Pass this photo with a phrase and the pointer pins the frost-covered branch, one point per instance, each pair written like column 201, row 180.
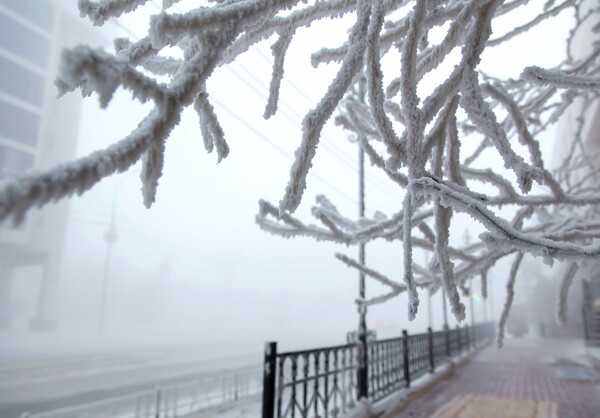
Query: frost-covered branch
column 473, row 145
column 510, row 294
column 565, row 284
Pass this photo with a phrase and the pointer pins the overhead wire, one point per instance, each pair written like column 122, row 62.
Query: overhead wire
column 380, row 185
column 266, row 139
column 343, row 159
column 348, row 163
column 134, row 228
column 333, row 149
column 337, row 153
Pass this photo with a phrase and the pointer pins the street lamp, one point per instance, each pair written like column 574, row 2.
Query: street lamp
column 110, row 236
column 471, row 297
column 362, row 325
column 471, row 307
column 445, row 308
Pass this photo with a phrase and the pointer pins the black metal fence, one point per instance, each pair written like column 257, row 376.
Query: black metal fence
column 324, row 382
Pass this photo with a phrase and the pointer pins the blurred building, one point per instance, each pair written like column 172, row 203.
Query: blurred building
column 37, row 131
column 585, row 117
column 581, row 120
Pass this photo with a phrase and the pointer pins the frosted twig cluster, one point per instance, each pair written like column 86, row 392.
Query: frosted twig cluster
column 418, row 141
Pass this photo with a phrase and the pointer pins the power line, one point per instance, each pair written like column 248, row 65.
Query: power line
column 279, row 149
column 310, row 101
column 133, row 228
column 287, row 79
column 260, row 135
column 347, row 161
column 336, row 152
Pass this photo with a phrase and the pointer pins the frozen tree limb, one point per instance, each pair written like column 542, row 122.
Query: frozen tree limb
column 565, row 284
column 501, row 234
column 413, row 117
column 375, row 84
column 479, row 111
column 510, row 294
column 212, row 132
column 396, row 288
column 417, row 141
column 442, row 222
column 409, row 280
column 313, row 122
column 561, row 79
column 535, row 21
column 279, row 49
column 99, row 12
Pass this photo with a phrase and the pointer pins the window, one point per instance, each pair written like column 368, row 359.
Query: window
column 14, row 161
column 40, row 12
column 20, row 82
column 24, row 42
column 18, row 124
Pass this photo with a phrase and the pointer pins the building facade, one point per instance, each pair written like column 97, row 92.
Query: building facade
column 37, row 131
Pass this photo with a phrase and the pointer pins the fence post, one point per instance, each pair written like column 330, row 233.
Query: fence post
column 235, row 387
column 468, row 337
column 459, row 343
column 362, row 374
column 447, row 335
column 157, row 402
column 405, row 357
column 430, row 344
column 586, row 332
column 269, row 373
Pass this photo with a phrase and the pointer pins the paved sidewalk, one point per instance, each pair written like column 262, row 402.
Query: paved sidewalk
column 550, row 373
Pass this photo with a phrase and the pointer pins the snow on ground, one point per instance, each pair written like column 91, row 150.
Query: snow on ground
column 245, row 408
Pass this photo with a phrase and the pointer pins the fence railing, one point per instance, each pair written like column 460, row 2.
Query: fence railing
column 174, row 400
column 323, row 382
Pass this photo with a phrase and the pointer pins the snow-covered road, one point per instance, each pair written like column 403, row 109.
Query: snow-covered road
column 35, row 382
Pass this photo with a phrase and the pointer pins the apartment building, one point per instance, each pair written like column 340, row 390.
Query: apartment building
column 37, row 131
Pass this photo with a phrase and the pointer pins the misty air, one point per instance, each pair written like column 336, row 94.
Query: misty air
column 278, row 209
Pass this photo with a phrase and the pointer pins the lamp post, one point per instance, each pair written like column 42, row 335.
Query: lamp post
column 467, row 238
column 429, row 295
column 110, row 236
column 490, row 297
column 471, row 297
column 445, row 308
column 362, row 325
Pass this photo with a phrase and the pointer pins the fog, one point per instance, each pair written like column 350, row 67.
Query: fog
column 195, row 269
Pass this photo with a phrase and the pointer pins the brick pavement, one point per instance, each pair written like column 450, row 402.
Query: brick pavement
column 523, row 369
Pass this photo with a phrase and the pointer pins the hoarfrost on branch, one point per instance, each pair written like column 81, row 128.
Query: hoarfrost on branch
column 416, row 141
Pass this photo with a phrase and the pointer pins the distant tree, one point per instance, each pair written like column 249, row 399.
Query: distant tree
column 416, row 141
